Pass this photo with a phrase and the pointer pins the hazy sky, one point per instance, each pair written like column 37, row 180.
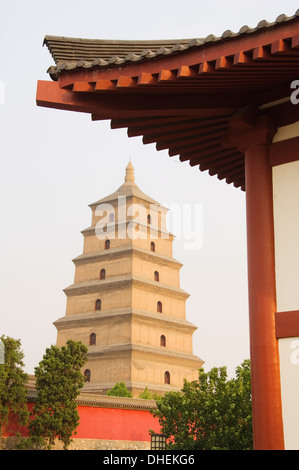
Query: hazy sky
column 54, row 163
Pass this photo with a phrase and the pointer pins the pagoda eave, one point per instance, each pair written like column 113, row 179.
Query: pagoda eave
column 122, row 282
column 142, row 315
column 120, row 252
column 138, row 348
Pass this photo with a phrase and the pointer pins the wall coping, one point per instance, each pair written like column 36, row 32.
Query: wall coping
column 106, row 401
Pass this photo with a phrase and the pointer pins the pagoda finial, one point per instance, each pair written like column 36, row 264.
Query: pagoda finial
column 129, row 178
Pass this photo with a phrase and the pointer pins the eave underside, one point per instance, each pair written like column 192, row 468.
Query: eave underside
column 184, row 102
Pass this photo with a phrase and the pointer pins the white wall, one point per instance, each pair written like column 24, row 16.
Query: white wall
column 286, row 231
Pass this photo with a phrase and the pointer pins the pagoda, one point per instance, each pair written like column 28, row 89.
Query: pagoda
column 126, row 303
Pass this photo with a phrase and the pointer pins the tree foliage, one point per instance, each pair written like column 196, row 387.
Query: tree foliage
column 58, row 383
column 212, row 413
column 13, row 393
column 119, row 390
column 146, row 394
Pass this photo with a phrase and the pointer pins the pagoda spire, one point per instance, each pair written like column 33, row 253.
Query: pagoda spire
column 130, row 178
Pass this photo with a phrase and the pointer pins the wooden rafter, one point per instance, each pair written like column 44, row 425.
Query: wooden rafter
column 183, row 101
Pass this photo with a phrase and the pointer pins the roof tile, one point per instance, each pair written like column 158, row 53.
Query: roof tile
column 70, row 53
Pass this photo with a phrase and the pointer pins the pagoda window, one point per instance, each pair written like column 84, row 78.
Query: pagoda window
column 163, row 341
column 92, row 339
column 149, row 219
column 98, row 304
column 167, row 377
column 159, row 307
column 107, row 244
column 156, row 276
column 103, row 274
column 153, row 246
column 87, row 375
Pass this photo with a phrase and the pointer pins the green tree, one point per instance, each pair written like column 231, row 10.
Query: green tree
column 58, row 383
column 119, row 390
column 146, row 394
column 13, row 393
column 212, row 413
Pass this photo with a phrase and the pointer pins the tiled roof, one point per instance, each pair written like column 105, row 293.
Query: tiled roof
column 181, row 95
column 73, row 53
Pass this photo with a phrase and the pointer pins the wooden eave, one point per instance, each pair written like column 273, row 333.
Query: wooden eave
column 183, row 99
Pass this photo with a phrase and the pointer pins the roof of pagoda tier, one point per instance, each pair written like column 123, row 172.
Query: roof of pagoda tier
column 128, row 189
column 181, row 94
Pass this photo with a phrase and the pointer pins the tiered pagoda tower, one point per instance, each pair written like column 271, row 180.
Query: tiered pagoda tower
column 126, row 303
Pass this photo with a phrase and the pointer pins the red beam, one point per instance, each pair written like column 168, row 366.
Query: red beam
column 285, row 151
column 287, row 324
column 121, row 105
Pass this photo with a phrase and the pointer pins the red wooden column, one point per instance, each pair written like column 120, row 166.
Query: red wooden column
column 253, row 137
column 266, row 391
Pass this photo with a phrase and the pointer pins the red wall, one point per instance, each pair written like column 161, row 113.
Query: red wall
column 106, row 423
column 12, row 428
column 115, row 424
